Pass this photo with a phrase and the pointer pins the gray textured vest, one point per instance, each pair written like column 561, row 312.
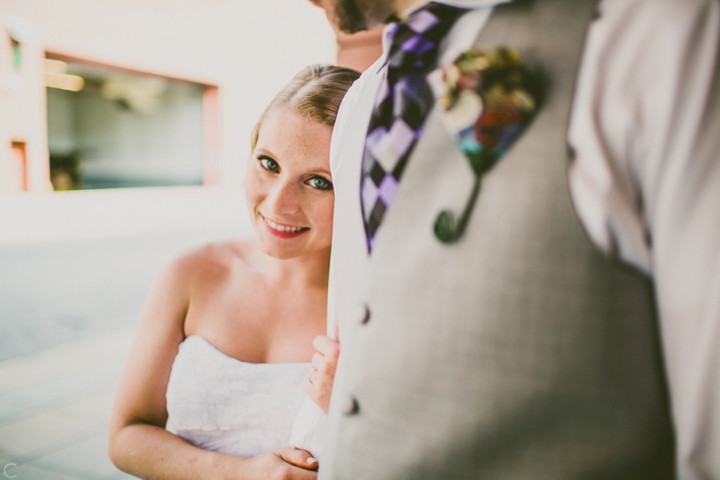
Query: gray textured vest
column 519, row 352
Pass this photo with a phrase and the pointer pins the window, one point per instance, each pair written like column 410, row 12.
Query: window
column 109, row 128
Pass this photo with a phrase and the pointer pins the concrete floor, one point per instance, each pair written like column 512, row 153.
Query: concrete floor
column 55, row 407
column 68, row 313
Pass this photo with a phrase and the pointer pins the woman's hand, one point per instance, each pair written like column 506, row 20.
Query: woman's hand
column 282, row 464
column 322, row 372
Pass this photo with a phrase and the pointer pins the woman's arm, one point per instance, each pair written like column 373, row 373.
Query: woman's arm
column 139, row 443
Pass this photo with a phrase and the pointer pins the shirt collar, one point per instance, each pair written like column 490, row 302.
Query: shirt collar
column 469, row 4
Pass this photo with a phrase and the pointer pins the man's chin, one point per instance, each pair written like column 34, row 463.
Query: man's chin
column 352, row 16
column 350, row 29
column 348, row 16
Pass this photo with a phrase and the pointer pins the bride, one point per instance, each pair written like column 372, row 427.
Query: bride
column 217, row 370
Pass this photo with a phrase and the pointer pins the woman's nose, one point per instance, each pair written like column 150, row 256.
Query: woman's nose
column 284, row 199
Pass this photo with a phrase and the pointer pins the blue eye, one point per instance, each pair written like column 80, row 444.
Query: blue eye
column 320, row 183
column 268, row 163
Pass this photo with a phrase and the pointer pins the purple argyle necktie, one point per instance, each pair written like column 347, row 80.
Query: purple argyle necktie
column 401, row 108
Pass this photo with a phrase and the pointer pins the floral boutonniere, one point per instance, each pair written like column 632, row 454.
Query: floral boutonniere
column 491, row 97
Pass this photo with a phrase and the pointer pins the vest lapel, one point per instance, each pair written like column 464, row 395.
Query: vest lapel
column 428, row 186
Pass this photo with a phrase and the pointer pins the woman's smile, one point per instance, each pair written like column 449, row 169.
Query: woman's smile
column 282, row 230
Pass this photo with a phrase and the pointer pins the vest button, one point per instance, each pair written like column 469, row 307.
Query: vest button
column 362, row 315
column 350, row 406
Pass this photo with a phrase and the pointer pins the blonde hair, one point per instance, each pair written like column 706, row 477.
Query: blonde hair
column 315, row 92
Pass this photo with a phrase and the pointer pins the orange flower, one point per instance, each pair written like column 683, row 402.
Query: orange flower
column 493, row 122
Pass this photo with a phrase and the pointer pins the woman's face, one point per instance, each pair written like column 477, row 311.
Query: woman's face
column 288, row 185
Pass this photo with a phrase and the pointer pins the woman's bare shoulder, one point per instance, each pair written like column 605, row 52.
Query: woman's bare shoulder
column 212, row 262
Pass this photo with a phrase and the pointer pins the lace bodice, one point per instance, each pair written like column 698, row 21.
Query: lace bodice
column 219, row 403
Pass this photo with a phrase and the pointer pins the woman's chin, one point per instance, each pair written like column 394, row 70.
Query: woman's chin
column 280, row 254
column 285, row 250
column 279, row 248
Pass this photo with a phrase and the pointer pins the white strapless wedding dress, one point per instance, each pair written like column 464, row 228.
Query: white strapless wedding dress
column 219, row 403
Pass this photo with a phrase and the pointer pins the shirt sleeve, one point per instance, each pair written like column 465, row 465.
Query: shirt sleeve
column 645, row 181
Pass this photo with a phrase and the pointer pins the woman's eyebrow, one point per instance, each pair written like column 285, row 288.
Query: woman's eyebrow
column 265, row 151
column 321, row 170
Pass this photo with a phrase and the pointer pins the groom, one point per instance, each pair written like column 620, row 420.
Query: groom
column 527, row 280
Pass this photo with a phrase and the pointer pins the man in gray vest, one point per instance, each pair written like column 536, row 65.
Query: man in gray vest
column 526, row 250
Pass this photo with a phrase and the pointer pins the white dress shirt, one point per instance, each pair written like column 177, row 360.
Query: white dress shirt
column 645, row 180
